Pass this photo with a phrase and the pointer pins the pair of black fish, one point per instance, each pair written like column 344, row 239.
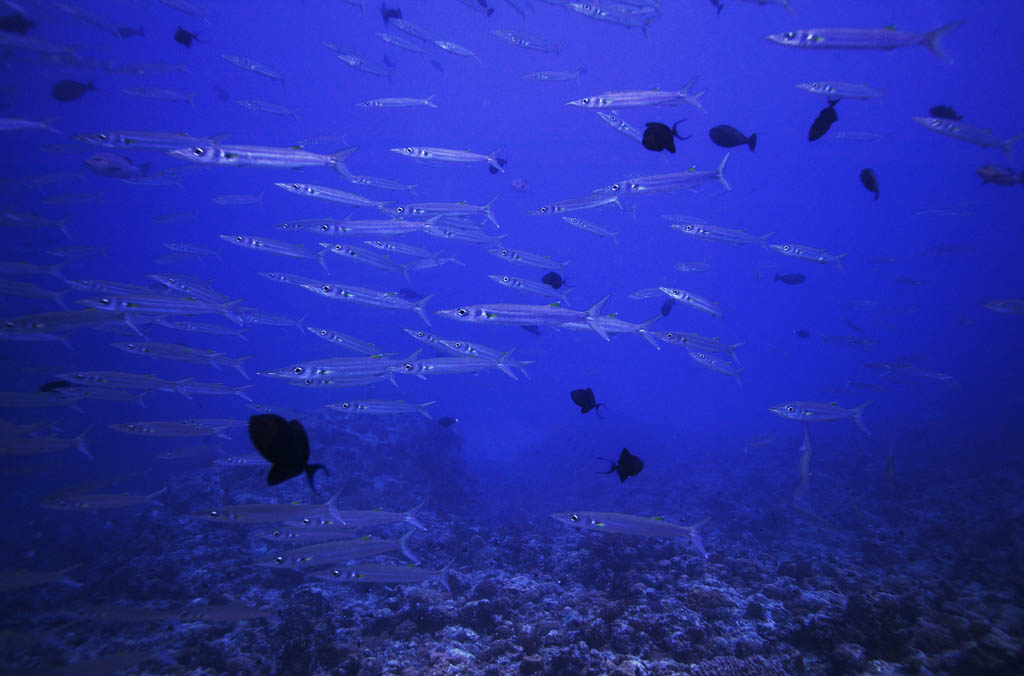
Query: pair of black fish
column 725, row 136
column 658, row 136
column 69, row 90
column 826, row 118
column 285, row 445
column 586, row 401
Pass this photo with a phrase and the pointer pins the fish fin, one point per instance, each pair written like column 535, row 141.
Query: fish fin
column 338, row 162
column 610, row 462
column 695, row 537
column 839, row 261
column 857, row 412
column 497, row 161
column 1007, row 146
column 423, row 410
column 931, row 40
column 410, row 516
column 332, row 508
column 80, row 443
column 490, row 214
column 503, row 364
column 752, row 139
column 720, row 172
column 646, row 334
column 419, row 308
column 404, row 543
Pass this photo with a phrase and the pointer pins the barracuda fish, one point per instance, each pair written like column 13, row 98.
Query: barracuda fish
column 834, row 91
column 276, row 247
column 364, row 66
column 862, row 38
column 693, row 341
column 25, row 268
column 268, row 107
column 26, row 42
column 388, row 300
column 592, row 228
column 191, row 249
column 410, row 28
column 120, row 380
column 495, row 162
column 621, row 126
column 250, row 316
column 674, row 182
column 41, row 445
column 642, row 98
column 380, row 407
column 628, row 524
column 161, row 94
column 526, row 258
column 339, row 228
column 14, row 580
column 527, row 41
column 399, row 41
column 717, row 233
column 449, row 365
column 130, row 307
column 193, row 387
column 719, row 362
column 460, row 234
column 140, row 140
column 611, row 12
column 338, row 366
column 399, row 102
column 555, row 75
column 252, row 66
column 430, row 210
column 99, row 501
column 10, row 287
column 699, row 266
column 261, row 512
column 18, row 124
column 167, row 428
column 453, row 48
column 530, row 286
column 340, row 381
column 965, row 132
column 36, row 400
column 805, row 465
column 808, row 253
column 335, row 551
column 262, row 156
column 221, row 613
column 344, row 340
column 334, row 195
column 380, row 574
column 190, row 286
column 400, row 248
column 177, row 352
column 107, row 286
column 188, row 451
column 20, row 219
column 242, row 461
column 367, row 257
column 381, row 183
column 812, row 411
column 693, row 300
column 519, row 315
column 297, row 535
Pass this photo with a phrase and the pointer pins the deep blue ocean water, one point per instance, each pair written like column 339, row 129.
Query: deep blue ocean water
column 921, row 263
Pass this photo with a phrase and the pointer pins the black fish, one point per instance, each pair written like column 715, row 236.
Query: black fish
column 729, row 137
column 553, row 279
column 16, row 23
column 667, row 306
column 792, row 278
column 802, row 333
column 184, row 37
column 718, row 5
column 945, row 112
column 447, row 421
column 54, row 385
column 585, row 400
column 659, row 137
column 389, row 13
column 437, row 65
column 69, row 90
column 627, row 466
column 823, row 122
column 129, row 32
column 223, row 94
column 870, row 181
column 285, row 445
column 530, row 328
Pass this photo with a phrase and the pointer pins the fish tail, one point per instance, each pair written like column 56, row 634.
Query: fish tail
column 1007, row 145
column 503, row 364
column 695, row 537
column 442, row 576
column 338, row 162
column 857, row 412
column 302, row 324
column 48, row 126
column 490, row 214
column 332, row 508
column 237, row 364
column 645, row 332
column 404, row 543
column 839, row 261
column 931, row 40
column 240, row 391
column 594, row 316
column 430, row 101
column 720, row 172
column 420, row 309
column 410, row 516
column 752, row 139
column 423, row 410
column 80, row 443
column 764, row 240
column 497, row 161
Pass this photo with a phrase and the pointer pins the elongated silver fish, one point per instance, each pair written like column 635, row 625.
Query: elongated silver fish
column 592, row 228
column 862, row 38
column 399, row 102
column 530, row 286
column 495, row 161
column 333, row 195
column 965, row 132
column 693, row 300
column 515, row 314
column 253, row 66
column 337, row 551
column 718, row 233
column 621, row 126
column 528, row 41
column 262, row 156
column 813, row 411
column 642, row 98
column 673, row 182
column 834, row 91
column 629, row 524
column 808, row 253
column 381, row 574
column 520, row 257
column 268, row 107
column 380, row 407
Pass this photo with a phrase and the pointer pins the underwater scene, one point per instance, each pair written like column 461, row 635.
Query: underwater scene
column 511, row 337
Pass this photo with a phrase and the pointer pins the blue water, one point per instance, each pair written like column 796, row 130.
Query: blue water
column 520, row 449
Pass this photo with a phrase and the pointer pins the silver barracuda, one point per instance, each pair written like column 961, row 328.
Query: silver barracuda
column 381, row 574
column 520, row 257
column 592, row 228
column 530, row 286
column 629, row 524
column 253, row 66
column 693, row 300
column 262, row 156
column 834, row 91
column 612, row 324
column 399, row 41
column 275, row 247
column 335, row 227
column 673, row 182
column 719, row 362
column 718, row 233
column 514, row 314
column 693, row 341
column 495, row 161
column 380, row 407
column 336, row 551
column 344, row 340
column 621, row 126
column 527, row 41
column 140, row 140
column 366, row 257
column 813, row 411
column 808, row 253
column 965, row 132
column 431, row 209
column 421, row 368
column 577, row 204
column 388, row 300
column 642, row 98
column 334, row 195
column 862, row 38
column 130, row 307
column 399, row 102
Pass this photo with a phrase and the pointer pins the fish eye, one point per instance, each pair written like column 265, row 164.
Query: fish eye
column 701, row 355
column 326, row 288
column 325, row 227
column 936, row 123
column 399, row 210
column 411, row 151
column 198, row 152
column 298, row 370
column 790, row 35
column 276, row 533
column 585, row 101
column 420, row 334
column 105, row 301
column 543, row 210
column 462, row 312
column 407, row 367
column 614, row 187
column 506, row 278
column 574, row 517
column 278, row 559
column 346, row 405
column 790, row 409
column 504, row 252
column 102, row 137
column 215, row 514
column 335, row 573
column 786, row 247
column 379, row 243
column 457, row 344
column 323, row 332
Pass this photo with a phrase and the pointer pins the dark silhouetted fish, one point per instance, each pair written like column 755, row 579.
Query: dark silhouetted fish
column 802, row 333
column 792, row 278
column 667, row 306
column 585, row 400
column 658, row 136
column 223, row 94
column 54, row 385
column 553, row 279
column 718, row 5
column 437, row 65
column 285, row 445
column 447, row 421
column 826, row 118
column 389, row 13
column 184, row 37
column 16, row 23
column 999, row 175
column 129, row 32
column 945, row 112
column 69, row 90
column 530, row 328
column 870, row 181
column 112, row 165
column 627, row 466
column 729, row 137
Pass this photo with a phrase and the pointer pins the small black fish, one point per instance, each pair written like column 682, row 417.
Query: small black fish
column 222, row 94
column 718, row 5
column 585, row 400
column 69, row 90
column 285, row 445
column 553, row 279
column 16, row 23
column 870, row 181
column 54, row 385
column 447, row 421
column 389, row 13
column 792, row 278
column 437, row 65
column 530, row 328
column 658, row 136
column 826, row 118
column 184, row 37
column 409, row 294
column 729, row 137
column 129, row 32
column 945, row 112
column 667, row 306
column 802, row 333
column 627, row 466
